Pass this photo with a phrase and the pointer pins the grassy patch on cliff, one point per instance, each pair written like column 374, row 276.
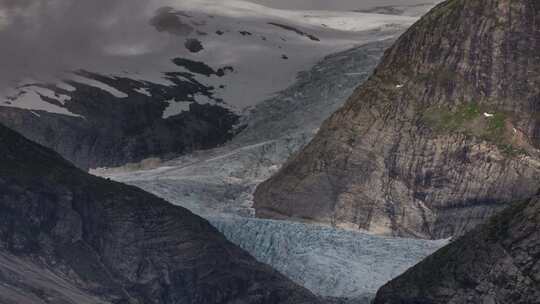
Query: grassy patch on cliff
column 474, row 119
column 442, row 119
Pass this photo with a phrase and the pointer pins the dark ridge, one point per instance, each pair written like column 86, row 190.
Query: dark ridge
column 70, row 237
column 202, row 68
column 114, row 130
column 498, row 262
column 295, row 30
column 168, row 20
column 193, row 45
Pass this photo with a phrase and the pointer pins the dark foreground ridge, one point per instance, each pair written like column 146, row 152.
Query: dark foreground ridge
column 496, row 263
column 69, row 237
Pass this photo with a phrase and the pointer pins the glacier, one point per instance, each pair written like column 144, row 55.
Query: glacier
column 218, row 185
column 268, row 64
column 328, row 261
column 222, row 180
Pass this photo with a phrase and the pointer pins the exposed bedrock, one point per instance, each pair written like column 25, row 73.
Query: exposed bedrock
column 443, row 135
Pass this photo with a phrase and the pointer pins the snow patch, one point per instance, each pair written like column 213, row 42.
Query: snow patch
column 65, row 86
column 143, row 91
column 32, row 98
column 175, row 108
column 100, row 85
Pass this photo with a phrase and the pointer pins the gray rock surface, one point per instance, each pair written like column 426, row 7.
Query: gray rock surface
column 69, row 237
column 497, row 263
column 443, row 135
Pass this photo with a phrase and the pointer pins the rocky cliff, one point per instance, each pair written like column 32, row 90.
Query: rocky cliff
column 69, row 237
column 495, row 263
column 444, row 133
column 125, row 120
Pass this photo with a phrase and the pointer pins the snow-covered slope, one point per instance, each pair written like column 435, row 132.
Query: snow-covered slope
column 169, row 79
column 241, row 51
column 392, row 7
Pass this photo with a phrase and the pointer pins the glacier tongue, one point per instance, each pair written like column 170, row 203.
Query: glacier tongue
column 222, row 180
column 330, row 262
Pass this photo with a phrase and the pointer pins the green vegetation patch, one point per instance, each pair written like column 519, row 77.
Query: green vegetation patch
column 473, row 119
column 444, row 119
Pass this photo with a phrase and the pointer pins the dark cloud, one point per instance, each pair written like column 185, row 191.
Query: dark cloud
column 10, row 4
column 45, row 38
column 169, row 20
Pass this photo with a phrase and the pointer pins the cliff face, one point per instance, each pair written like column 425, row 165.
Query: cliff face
column 443, row 134
column 496, row 263
column 69, row 237
column 110, row 130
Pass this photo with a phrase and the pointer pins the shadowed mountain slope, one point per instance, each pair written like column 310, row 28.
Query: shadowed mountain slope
column 497, row 263
column 69, row 237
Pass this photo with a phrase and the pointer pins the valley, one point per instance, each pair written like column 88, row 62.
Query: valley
column 270, row 151
column 218, row 184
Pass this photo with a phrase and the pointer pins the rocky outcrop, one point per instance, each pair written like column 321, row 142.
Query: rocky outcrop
column 496, row 263
column 137, row 123
column 69, row 237
column 443, row 135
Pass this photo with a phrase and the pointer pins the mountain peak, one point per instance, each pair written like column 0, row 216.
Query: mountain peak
column 442, row 135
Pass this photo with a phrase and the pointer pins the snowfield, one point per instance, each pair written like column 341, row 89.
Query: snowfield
column 263, row 48
column 398, row 7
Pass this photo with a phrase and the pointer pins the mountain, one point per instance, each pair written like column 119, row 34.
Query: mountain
column 443, row 135
column 70, row 237
column 176, row 79
column 222, row 180
column 218, row 184
column 495, row 263
column 234, row 76
column 102, row 120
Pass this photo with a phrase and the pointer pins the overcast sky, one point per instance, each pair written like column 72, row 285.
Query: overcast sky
column 48, row 37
